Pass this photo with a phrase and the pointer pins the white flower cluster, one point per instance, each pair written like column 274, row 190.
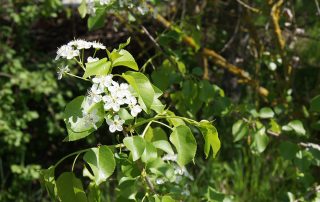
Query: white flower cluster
column 72, row 49
column 114, row 96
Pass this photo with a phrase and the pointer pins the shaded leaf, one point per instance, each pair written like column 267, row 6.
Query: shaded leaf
column 69, row 188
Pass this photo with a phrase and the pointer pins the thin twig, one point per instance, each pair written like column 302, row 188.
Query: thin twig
column 249, row 7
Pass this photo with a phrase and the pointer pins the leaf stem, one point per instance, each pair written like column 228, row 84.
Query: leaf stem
column 69, row 155
column 78, row 77
column 74, row 161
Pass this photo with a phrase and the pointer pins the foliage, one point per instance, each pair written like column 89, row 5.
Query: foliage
column 248, row 67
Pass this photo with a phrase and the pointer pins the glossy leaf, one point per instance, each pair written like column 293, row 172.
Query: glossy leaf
column 69, row 188
column 143, row 88
column 123, row 58
column 97, row 68
column 185, row 144
column 135, row 145
column 101, row 162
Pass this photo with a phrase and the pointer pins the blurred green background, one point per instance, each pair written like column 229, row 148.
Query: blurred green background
column 270, row 144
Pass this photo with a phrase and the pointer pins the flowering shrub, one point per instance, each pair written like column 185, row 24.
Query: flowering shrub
column 148, row 167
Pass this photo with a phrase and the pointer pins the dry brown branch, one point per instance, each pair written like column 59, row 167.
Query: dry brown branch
column 275, row 14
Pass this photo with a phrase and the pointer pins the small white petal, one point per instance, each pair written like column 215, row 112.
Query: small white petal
column 112, row 128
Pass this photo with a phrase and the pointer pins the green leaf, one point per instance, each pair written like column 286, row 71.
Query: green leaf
column 185, row 144
column 101, row 162
column 174, row 121
column 94, row 194
column 83, row 8
column 239, row 130
column 296, row 126
column 274, row 127
column 164, row 146
column 261, row 140
column 155, row 134
column 98, row 68
column 123, row 45
column 127, row 189
column 288, row 150
column 214, row 196
column 315, row 104
column 47, row 180
column 123, row 58
column 69, row 188
column 97, row 21
column 124, row 114
column 211, row 138
column 150, row 153
column 78, row 125
column 266, row 113
column 167, row 199
column 143, row 88
column 136, row 146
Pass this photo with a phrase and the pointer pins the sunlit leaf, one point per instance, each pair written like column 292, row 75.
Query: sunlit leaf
column 185, row 144
column 101, row 162
column 136, row 146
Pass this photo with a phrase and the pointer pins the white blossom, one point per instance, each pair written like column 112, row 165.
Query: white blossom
column 105, row 81
column 115, row 124
column 134, row 107
column 97, row 45
column 80, row 44
column 91, row 59
column 135, row 110
column 62, row 71
column 67, row 52
column 121, row 90
column 112, row 102
column 95, row 93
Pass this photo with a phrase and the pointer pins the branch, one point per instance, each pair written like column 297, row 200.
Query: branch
column 248, row 7
column 218, row 59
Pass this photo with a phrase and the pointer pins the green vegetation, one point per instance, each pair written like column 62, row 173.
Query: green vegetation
column 243, row 75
